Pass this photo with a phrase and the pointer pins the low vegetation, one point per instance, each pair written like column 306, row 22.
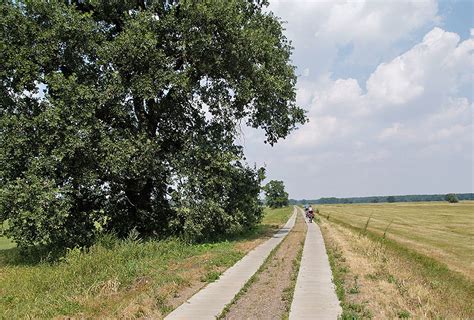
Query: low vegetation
column 342, row 281
column 275, row 217
column 391, row 277
column 6, row 243
column 269, row 292
column 120, row 278
column 439, row 230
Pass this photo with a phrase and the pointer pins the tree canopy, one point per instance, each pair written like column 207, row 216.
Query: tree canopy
column 275, row 194
column 123, row 115
column 452, row 198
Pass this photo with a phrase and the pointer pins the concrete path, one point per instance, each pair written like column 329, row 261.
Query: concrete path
column 315, row 294
column 211, row 300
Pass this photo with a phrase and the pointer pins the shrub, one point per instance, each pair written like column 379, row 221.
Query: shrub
column 451, row 198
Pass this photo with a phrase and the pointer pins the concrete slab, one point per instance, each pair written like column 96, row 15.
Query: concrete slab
column 211, row 300
column 315, row 295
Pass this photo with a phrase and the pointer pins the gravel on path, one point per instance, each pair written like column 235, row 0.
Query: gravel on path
column 266, row 297
column 315, row 294
column 209, row 302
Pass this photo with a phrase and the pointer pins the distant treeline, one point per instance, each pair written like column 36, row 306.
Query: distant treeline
column 377, row 199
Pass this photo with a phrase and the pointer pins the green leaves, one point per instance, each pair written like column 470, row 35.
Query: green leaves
column 275, row 194
column 452, row 198
column 40, row 211
column 127, row 114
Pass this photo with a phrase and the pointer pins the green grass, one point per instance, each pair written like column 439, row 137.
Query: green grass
column 290, row 290
column 5, row 243
column 276, row 217
column 113, row 275
column 69, row 287
column 350, row 310
column 439, row 230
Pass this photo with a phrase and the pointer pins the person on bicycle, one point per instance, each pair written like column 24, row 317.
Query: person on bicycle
column 310, row 213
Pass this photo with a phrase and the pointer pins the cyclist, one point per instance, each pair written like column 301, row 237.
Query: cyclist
column 310, row 214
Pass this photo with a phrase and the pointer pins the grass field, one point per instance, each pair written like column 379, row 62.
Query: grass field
column 439, row 230
column 5, row 243
column 422, row 269
column 276, row 217
column 121, row 279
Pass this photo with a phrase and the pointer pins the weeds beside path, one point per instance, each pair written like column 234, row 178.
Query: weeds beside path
column 118, row 279
column 442, row 231
column 383, row 280
column 268, row 294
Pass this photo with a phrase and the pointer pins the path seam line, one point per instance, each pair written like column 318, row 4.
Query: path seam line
column 209, row 302
column 315, row 294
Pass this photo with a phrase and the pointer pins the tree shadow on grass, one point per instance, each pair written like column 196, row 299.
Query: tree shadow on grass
column 30, row 256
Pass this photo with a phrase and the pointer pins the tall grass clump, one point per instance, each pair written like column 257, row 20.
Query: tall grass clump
column 386, row 229
column 83, row 277
column 364, row 230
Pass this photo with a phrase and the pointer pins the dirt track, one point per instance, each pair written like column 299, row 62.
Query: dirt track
column 267, row 297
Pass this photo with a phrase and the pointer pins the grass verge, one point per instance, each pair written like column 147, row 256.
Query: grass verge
column 441, row 231
column 350, row 310
column 276, row 217
column 381, row 277
column 290, row 290
column 247, row 285
column 117, row 278
column 454, row 282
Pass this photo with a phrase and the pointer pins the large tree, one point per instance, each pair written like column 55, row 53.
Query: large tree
column 275, row 194
column 118, row 115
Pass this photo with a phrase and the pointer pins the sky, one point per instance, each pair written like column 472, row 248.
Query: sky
column 388, row 89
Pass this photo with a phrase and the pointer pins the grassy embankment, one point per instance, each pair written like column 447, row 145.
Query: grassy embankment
column 421, row 269
column 116, row 279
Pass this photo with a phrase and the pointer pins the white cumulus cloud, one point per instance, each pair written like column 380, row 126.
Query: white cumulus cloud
column 400, row 126
column 369, row 28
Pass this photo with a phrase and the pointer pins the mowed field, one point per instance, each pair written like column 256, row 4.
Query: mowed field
column 440, row 230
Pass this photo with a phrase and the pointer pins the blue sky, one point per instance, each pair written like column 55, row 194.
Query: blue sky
column 388, row 87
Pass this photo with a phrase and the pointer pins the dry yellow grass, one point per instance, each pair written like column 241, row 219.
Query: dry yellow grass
column 377, row 281
column 439, row 230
